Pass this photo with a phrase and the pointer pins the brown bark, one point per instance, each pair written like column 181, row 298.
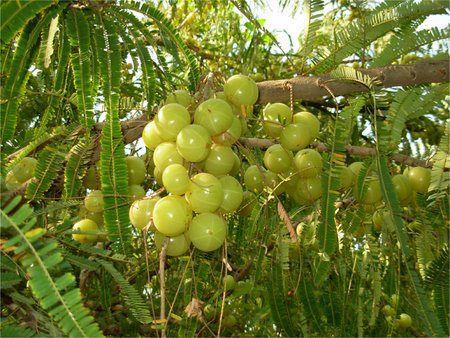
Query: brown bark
column 313, row 88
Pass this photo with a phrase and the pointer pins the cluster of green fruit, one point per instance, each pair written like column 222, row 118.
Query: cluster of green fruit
column 20, row 173
column 297, row 175
column 90, row 228
column 195, row 162
column 413, row 180
column 390, row 310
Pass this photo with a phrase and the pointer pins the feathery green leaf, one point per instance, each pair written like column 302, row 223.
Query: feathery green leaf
column 113, row 167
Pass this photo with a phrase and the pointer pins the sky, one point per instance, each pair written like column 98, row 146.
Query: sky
column 279, row 22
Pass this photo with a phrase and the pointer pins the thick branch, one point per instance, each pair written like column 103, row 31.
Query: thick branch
column 312, row 89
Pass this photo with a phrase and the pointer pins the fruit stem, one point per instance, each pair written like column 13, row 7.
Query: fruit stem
column 162, row 281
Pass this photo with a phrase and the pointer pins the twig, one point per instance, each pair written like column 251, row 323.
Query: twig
column 162, row 281
column 351, row 150
column 287, row 221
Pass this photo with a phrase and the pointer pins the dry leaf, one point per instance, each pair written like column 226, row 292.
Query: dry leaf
column 194, row 308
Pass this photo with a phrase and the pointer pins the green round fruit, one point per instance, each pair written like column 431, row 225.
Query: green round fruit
column 207, row 231
column 373, row 193
column 180, row 96
column 419, row 178
column 345, row 177
column 241, row 90
column 275, row 117
column 388, row 311
column 402, row 188
column 272, row 182
column 228, row 282
column 150, row 136
column 298, row 197
column 404, row 321
column 193, row 143
column 290, row 178
column 97, row 217
column 230, row 136
column 277, row 158
column 170, row 119
column 175, row 179
column 382, row 219
column 248, row 204
column 166, row 154
column 309, row 189
column 253, row 178
column 220, row 95
column 377, row 219
column 11, row 182
column 136, row 169
column 91, row 179
column 295, row 136
column 215, row 115
column 94, row 201
column 141, row 212
column 220, row 160
column 172, row 215
column 148, row 159
column 24, row 170
column 232, row 194
column 88, row 229
column 355, row 168
column 157, row 174
column 205, row 193
column 176, row 246
column 236, row 165
column 135, row 192
column 312, row 123
column 308, row 163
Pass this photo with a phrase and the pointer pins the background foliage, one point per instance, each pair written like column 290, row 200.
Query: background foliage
column 72, row 71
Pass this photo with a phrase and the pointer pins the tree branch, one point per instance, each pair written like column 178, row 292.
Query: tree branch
column 351, row 150
column 311, row 89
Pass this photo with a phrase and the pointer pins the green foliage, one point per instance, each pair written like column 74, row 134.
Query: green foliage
column 399, row 110
column 59, row 82
column 25, row 52
column 148, row 73
column 432, row 324
column 41, row 258
column 133, row 299
column 15, row 14
column 326, row 231
column 79, row 37
column 166, row 27
column 80, row 88
column 49, row 164
column 16, row 331
column 77, row 160
column 437, row 279
column 360, row 33
column 280, row 309
column 113, row 168
column 440, row 176
column 314, row 13
column 402, row 44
